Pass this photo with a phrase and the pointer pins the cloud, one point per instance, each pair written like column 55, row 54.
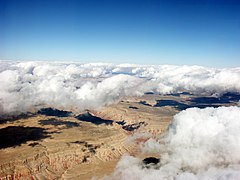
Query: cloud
column 33, row 86
column 199, row 144
column 29, row 86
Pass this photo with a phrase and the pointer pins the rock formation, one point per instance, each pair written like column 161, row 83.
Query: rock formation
column 54, row 144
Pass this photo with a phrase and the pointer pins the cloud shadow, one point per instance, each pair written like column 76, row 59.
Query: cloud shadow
column 172, row 103
column 54, row 112
column 87, row 117
column 12, row 136
column 56, row 122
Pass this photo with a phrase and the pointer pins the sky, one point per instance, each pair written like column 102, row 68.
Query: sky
column 188, row 32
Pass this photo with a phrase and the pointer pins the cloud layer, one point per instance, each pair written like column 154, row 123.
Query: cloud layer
column 28, row 86
column 200, row 144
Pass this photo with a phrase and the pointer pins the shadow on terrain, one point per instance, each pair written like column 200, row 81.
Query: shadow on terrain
column 8, row 118
column 130, row 127
column 181, row 106
column 88, row 147
column 231, row 96
column 87, row 117
column 149, row 92
column 209, row 100
column 144, row 103
column 225, row 98
column 34, row 144
column 178, row 94
column 54, row 112
column 172, row 103
column 121, row 122
column 133, row 107
column 12, row 136
column 200, row 102
column 56, row 122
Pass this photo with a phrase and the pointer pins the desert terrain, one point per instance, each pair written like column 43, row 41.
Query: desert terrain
column 58, row 144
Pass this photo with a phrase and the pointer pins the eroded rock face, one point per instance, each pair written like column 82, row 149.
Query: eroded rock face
column 54, row 144
column 51, row 147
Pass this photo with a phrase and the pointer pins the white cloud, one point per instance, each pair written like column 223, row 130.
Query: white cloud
column 200, row 144
column 28, row 86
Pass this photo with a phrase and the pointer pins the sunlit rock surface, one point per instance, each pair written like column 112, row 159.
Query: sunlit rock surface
column 56, row 144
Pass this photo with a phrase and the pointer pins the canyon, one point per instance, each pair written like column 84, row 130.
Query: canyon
column 59, row 144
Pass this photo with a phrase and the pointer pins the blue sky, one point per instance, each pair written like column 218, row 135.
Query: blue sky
column 134, row 31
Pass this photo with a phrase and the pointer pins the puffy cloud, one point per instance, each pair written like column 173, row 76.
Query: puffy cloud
column 32, row 87
column 26, row 86
column 199, row 144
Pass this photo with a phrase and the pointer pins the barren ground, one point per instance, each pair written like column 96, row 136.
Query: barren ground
column 54, row 144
